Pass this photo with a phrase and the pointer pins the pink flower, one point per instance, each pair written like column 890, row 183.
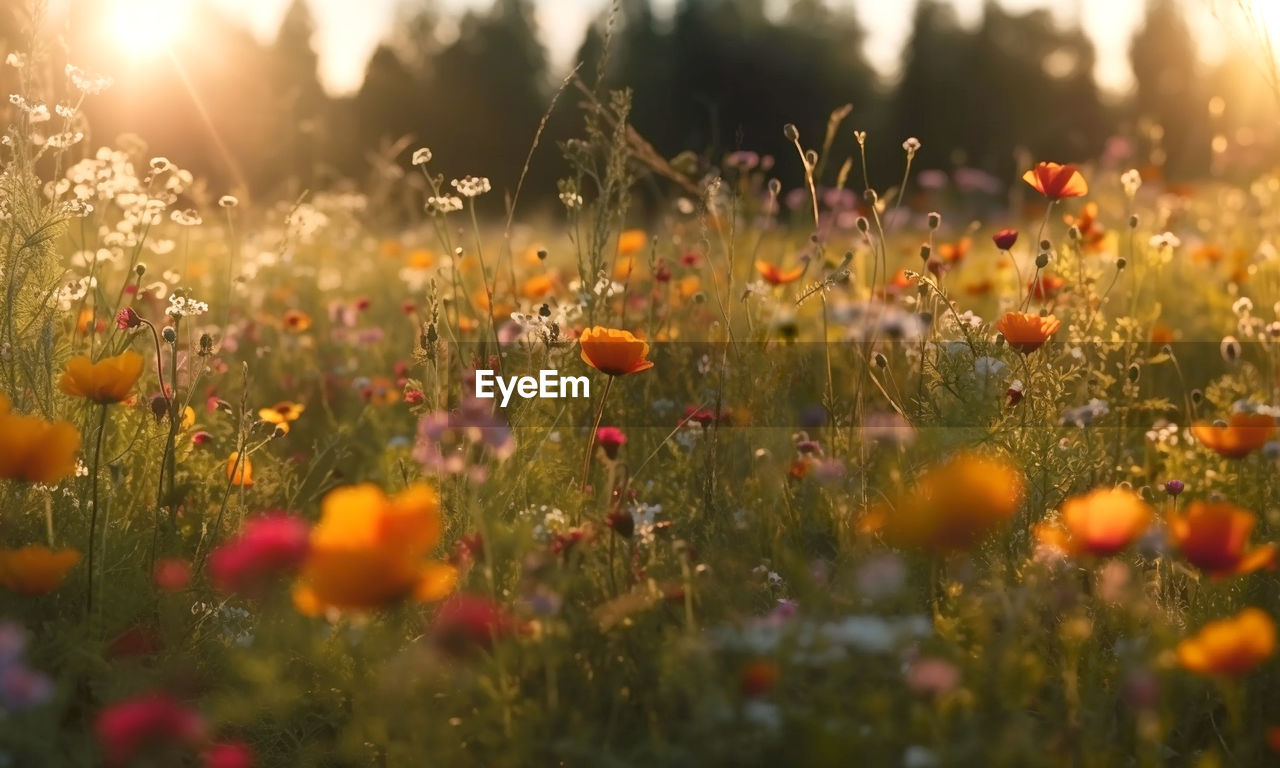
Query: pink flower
column 1005, row 238
column 467, row 623
column 172, row 574
column 932, row 676
column 152, row 721
column 610, row 439
column 229, row 754
column 269, row 546
column 127, row 318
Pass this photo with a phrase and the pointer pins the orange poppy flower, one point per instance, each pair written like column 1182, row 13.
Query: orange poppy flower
column 107, row 381
column 1056, row 181
column 1230, row 647
column 239, row 472
column 1091, row 232
column 1027, row 332
column 1243, row 434
column 952, row 506
column 979, row 287
column 282, row 414
column 775, row 275
column 35, row 569
column 369, row 550
column 1104, row 521
column 614, row 352
column 632, row 241
column 35, row 450
column 1161, row 334
column 536, row 287
column 297, row 321
column 420, row 258
column 1214, row 536
column 954, row 253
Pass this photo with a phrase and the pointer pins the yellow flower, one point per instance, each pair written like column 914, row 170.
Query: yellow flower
column 281, row 414
column 614, row 352
column 369, row 550
column 239, row 472
column 35, row 450
column 952, row 506
column 35, row 569
column 107, row 381
column 1230, row 647
column 297, row 321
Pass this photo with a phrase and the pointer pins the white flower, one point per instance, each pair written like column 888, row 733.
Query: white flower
column 421, row 156
column 1131, row 180
column 1165, row 240
column 911, row 145
column 181, row 306
column 187, row 218
column 88, row 83
column 228, row 201
column 571, row 200
column 444, row 204
column 471, row 186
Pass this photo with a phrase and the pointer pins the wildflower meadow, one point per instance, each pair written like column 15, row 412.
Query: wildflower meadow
column 702, row 464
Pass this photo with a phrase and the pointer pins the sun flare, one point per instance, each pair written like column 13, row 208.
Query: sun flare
column 145, row 27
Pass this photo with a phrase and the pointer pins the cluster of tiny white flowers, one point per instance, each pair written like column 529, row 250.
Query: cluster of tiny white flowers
column 571, row 200
column 181, row 306
column 305, row 222
column 1165, row 240
column 1131, row 180
column 187, row 218
column 444, row 204
column 1163, row 433
column 88, row 83
column 471, row 186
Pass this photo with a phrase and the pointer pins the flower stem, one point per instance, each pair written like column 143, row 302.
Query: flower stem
column 93, row 515
column 591, row 438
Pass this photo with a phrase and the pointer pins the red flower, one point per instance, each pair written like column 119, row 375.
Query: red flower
column 127, row 318
column 468, row 623
column 152, row 722
column 229, row 754
column 268, row 547
column 172, row 574
column 1005, row 238
column 610, row 439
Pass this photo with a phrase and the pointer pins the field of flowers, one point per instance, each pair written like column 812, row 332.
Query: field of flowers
column 872, row 473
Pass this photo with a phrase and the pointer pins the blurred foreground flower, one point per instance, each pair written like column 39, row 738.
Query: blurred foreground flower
column 107, row 381
column 1242, row 434
column 369, row 550
column 269, row 547
column 614, row 352
column 1027, row 332
column 154, row 726
column 466, row 623
column 36, row 450
column 953, row 505
column 239, row 470
column 1056, row 181
column 775, row 275
column 1214, row 535
column 1230, row 647
column 35, row 569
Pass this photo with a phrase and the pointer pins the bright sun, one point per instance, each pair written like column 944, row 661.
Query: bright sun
column 144, row 27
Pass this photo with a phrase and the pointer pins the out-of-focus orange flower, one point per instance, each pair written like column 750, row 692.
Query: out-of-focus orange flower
column 35, row 569
column 1045, row 287
column 420, row 258
column 1208, row 253
column 632, row 241
column 1214, row 536
column 1161, row 334
column 1243, row 434
column 1273, row 738
column 369, row 550
column 35, row 450
column 1092, row 235
column 297, row 321
column 380, row 391
column 1230, row 647
column 282, row 414
column 775, row 275
column 614, row 352
column 85, row 320
column 107, row 381
column 688, row 286
column 952, row 506
column 1056, row 181
column 500, row 307
column 1027, row 332
column 390, row 249
column 979, row 287
column 239, row 471
column 1101, row 522
column 536, row 287
column 954, row 253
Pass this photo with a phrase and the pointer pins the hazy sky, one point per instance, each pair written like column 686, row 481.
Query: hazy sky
column 349, row 29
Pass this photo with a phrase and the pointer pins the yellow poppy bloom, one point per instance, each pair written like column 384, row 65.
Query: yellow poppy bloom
column 107, row 381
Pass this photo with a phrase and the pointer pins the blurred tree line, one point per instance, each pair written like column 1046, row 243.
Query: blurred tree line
column 713, row 76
